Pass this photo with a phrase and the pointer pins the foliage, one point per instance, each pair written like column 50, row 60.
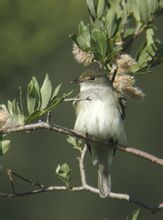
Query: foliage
column 40, row 100
column 75, row 142
column 4, row 145
column 113, row 28
column 136, row 214
column 64, row 173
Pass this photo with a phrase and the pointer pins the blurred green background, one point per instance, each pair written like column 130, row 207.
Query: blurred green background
column 34, row 40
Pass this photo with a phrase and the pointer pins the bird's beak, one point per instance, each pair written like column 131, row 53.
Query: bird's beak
column 75, row 81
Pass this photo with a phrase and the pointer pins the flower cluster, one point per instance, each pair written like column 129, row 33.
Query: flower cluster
column 4, row 116
column 80, row 56
column 124, row 83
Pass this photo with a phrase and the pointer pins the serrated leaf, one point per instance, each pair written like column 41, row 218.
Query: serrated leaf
column 46, row 92
column 135, row 214
column 100, row 8
column 4, row 145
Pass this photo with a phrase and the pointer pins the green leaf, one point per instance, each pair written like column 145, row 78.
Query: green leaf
column 54, row 104
column 148, row 52
column 31, row 97
column 147, row 9
column 132, row 6
column 14, row 106
column 64, row 172
column 91, row 7
column 161, row 4
column 153, row 6
column 34, row 116
column 129, row 32
column 76, row 143
column 135, row 214
column 111, row 23
column 116, row 5
column 74, row 38
column 37, row 90
column 84, row 39
column 4, row 145
column 21, row 119
column 21, row 100
column 100, row 8
column 101, row 41
column 9, row 106
column 46, row 92
column 56, row 91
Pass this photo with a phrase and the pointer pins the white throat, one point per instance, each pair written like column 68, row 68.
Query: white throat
column 86, row 87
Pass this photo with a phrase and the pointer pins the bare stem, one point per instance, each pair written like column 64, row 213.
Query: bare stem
column 84, row 187
column 81, row 166
column 67, row 131
column 77, row 99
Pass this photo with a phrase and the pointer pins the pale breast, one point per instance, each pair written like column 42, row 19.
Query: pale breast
column 99, row 117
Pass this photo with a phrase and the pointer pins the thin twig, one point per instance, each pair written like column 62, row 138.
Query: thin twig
column 83, row 187
column 32, row 182
column 114, row 75
column 67, row 131
column 77, row 99
column 48, row 118
column 10, row 177
column 81, row 166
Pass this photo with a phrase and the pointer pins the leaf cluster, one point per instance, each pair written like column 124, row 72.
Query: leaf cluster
column 114, row 25
column 64, row 173
column 37, row 102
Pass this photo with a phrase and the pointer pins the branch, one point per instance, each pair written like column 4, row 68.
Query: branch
column 84, row 187
column 77, row 99
column 67, row 131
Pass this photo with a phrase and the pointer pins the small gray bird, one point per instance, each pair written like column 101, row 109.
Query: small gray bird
column 101, row 118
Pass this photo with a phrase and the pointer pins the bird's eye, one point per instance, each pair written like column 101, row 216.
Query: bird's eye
column 92, row 78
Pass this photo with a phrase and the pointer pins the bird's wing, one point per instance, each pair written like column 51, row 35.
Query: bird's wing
column 122, row 107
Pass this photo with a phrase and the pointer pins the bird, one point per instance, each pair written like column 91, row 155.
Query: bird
column 100, row 115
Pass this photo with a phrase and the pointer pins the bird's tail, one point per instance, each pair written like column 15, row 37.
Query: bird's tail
column 104, row 181
column 102, row 158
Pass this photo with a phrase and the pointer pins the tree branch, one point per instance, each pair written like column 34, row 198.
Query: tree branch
column 67, row 131
column 84, row 187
